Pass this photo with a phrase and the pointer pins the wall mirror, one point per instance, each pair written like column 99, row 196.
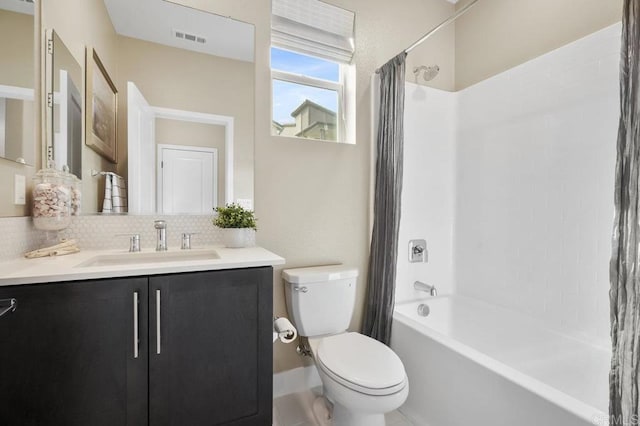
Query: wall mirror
column 184, row 63
column 63, row 89
column 17, row 114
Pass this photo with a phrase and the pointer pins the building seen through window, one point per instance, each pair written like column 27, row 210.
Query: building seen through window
column 307, row 96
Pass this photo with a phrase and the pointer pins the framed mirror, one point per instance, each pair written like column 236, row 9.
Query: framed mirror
column 184, row 62
column 17, row 113
column 20, row 152
column 64, row 92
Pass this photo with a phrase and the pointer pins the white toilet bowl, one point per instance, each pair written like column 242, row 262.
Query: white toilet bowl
column 362, row 377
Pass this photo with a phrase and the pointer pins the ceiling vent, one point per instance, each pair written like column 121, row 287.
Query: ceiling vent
column 183, row 35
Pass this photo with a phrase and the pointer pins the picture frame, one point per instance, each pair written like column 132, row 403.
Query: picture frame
column 101, row 109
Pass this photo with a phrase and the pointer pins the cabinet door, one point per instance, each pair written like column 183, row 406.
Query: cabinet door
column 210, row 360
column 67, row 354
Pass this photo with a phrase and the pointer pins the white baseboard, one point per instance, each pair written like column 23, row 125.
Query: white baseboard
column 296, row 380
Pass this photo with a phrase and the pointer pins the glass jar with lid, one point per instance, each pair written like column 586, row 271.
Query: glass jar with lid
column 51, row 200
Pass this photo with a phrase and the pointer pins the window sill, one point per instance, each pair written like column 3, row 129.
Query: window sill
column 298, row 139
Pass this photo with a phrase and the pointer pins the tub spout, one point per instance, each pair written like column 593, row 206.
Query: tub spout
column 420, row 286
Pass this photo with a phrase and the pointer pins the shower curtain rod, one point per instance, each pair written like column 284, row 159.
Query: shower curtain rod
column 438, row 27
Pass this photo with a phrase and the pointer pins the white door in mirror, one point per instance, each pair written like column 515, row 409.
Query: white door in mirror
column 141, row 145
column 188, row 179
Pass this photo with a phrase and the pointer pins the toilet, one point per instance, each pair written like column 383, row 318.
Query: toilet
column 363, row 378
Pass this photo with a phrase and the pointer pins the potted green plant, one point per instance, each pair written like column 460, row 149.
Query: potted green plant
column 237, row 223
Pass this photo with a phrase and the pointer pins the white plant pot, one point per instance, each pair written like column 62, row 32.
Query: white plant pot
column 237, row 237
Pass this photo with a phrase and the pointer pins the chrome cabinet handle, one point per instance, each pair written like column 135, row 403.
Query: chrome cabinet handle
column 13, row 305
column 136, row 332
column 158, row 338
column 302, row 289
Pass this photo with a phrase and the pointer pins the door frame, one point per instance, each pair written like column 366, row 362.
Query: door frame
column 216, row 120
column 159, row 182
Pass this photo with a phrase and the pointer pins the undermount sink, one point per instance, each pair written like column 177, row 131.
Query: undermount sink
column 123, row 259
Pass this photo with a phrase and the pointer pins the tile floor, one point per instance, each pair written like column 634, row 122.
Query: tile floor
column 297, row 409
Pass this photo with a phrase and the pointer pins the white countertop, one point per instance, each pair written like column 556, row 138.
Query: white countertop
column 69, row 268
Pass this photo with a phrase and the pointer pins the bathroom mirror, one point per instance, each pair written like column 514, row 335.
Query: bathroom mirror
column 63, row 88
column 17, row 114
column 197, row 104
column 180, row 59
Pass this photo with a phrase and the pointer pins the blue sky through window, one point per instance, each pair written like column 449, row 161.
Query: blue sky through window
column 297, row 63
column 288, row 96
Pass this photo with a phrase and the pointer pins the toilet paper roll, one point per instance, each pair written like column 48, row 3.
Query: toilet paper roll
column 287, row 333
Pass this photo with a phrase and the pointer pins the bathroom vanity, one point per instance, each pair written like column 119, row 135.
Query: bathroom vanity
column 168, row 348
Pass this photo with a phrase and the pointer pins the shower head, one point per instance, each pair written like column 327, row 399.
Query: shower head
column 429, row 72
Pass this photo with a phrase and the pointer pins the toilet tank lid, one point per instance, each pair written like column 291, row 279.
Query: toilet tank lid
column 319, row 274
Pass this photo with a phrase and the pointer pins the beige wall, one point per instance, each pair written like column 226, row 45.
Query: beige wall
column 81, row 23
column 175, row 78
column 174, row 132
column 496, row 35
column 312, row 197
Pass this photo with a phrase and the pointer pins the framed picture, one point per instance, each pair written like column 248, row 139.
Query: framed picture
column 101, row 105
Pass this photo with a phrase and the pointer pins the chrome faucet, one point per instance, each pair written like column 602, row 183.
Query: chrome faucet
column 161, row 226
column 420, row 286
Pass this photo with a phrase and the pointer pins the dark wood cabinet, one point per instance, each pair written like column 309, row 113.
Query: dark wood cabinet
column 211, row 362
column 68, row 354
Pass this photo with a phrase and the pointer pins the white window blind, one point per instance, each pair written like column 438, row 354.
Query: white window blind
column 313, row 27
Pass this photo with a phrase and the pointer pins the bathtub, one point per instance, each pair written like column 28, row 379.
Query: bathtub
column 472, row 363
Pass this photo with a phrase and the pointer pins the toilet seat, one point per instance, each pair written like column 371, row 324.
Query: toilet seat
column 361, row 364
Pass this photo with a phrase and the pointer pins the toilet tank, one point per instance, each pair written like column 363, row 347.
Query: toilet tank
column 320, row 299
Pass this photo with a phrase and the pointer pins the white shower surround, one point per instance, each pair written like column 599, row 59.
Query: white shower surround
column 511, row 183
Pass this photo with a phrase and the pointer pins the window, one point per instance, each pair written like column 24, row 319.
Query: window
column 308, row 94
column 313, row 93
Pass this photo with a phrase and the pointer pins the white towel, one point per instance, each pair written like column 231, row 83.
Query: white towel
column 115, row 194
